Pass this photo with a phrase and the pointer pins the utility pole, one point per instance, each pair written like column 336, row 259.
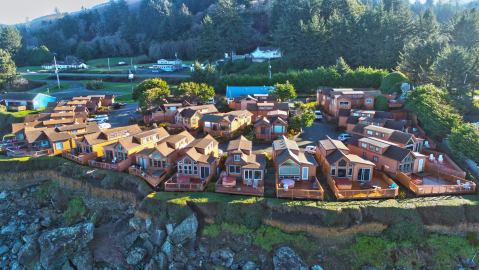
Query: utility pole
column 131, row 77
column 269, row 69
column 109, row 64
column 56, row 71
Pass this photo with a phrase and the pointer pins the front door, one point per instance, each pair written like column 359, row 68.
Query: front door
column 204, row 172
column 420, row 166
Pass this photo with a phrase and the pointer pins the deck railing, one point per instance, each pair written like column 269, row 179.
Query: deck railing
column 301, row 193
column 371, row 193
column 153, row 180
column 172, row 184
column 82, row 158
column 240, row 188
column 28, row 153
column 121, row 166
column 422, row 190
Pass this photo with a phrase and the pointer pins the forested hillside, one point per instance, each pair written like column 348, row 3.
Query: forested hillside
column 310, row 32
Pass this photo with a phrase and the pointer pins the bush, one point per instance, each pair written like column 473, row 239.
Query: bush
column 464, row 139
column 447, row 249
column 75, row 211
column 381, row 103
column 372, row 250
column 95, row 85
column 412, row 232
column 45, row 190
column 392, row 82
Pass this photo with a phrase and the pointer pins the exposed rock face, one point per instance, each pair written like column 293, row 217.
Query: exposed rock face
column 135, row 256
column 223, row 257
column 286, row 259
column 185, row 231
column 58, row 245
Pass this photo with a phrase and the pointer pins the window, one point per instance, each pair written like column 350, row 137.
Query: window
column 364, row 174
column 375, row 159
column 258, row 175
column 333, row 171
column 369, row 101
column 59, row 145
column 350, row 170
column 253, row 174
column 278, row 129
column 369, row 132
column 364, row 145
column 343, row 103
column 305, row 173
column 44, row 143
column 289, row 168
column 237, row 157
column 376, row 149
column 235, row 169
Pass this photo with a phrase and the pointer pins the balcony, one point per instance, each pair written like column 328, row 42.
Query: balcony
column 436, row 183
column 186, row 183
column 117, row 166
column 380, row 186
column 25, row 152
column 81, row 158
column 310, row 189
column 153, row 178
column 233, row 185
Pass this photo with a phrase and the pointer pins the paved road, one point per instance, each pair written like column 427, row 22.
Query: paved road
column 121, row 117
column 116, row 75
column 310, row 136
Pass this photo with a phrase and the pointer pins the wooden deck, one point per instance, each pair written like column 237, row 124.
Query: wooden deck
column 194, row 185
column 436, row 184
column 82, row 158
column 380, row 187
column 120, row 166
column 28, row 152
column 240, row 188
column 154, row 179
column 311, row 190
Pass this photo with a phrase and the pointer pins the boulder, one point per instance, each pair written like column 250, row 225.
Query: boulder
column 285, row 258
column 135, row 256
column 316, row 267
column 3, row 250
column 130, row 238
column 223, row 257
column 161, row 260
column 83, row 260
column 249, row 265
column 167, row 249
column 177, row 266
column 157, row 237
column 185, row 231
column 29, row 252
column 136, row 224
column 151, row 265
column 57, row 245
column 11, row 228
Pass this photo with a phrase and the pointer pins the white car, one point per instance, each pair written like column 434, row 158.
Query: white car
column 104, row 125
column 344, row 137
column 101, row 118
column 318, row 115
column 311, row 149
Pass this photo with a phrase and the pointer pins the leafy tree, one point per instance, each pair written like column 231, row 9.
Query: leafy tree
column 381, row 103
column 284, row 91
column 437, row 117
column 204, row 74
column 10, row 39
column 342, row 67
column 465, row 29
column 7, row 66
column 464, row 139
column 392, row 82
column 151, row 93
column 196, row 91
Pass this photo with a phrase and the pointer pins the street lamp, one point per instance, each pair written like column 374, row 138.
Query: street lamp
column 56, row 69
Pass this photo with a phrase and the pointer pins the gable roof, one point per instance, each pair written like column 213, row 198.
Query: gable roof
column 240, row 144
column 400, row 137
column 237, row 91
column 396, row 153
column 330, row 144
column 284, row 143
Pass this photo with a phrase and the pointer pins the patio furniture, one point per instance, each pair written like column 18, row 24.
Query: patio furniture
column 287, row 183
column 229, row 181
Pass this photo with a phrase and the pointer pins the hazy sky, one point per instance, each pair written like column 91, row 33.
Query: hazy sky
column 16, row 11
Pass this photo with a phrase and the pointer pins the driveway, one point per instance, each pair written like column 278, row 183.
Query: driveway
column 310, row 136
column 122, row 116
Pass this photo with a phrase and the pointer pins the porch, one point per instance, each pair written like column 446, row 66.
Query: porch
column 153, row 178
column 186, row 183
column 234, row 185
column 379, row 187
column 28, row 152
column 80, row 158
column 106, row 165
column 302, row 189
column 436, row 183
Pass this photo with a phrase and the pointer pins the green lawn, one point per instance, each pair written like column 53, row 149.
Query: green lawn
column 21, row 113
column 36, row 76
column 126, row 98
column 6, row 158
column 29, row 68
column 52, row 88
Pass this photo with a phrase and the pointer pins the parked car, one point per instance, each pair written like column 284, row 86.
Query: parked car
column 311, row 149
column 104, row 125
column 318, row 115
column 101, row 117
column 344, row 137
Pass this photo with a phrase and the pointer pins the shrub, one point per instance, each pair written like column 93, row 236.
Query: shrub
column 412, row 232
column 372, row 250
column 95, row 85
column 381, row 103
column 268, row 237
column 75, row 211
column 45, row 190
column 446, row 249
column 392, row 82
column 464, row 139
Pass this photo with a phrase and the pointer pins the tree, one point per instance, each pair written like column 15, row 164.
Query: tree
column 10, row 39
column 196, row 91
column 7, row 66
column 151, row 93
column 284, row 91
column 342, row 67
column 464, row 139
column 392, row 83
column 302, row 120
column 381, row 103
column 204, row 74
column 437, row 117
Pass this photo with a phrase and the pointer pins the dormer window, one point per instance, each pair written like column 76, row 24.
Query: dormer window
column 237, row 157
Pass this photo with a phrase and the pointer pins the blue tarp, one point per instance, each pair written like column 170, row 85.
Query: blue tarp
column 237, row 91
